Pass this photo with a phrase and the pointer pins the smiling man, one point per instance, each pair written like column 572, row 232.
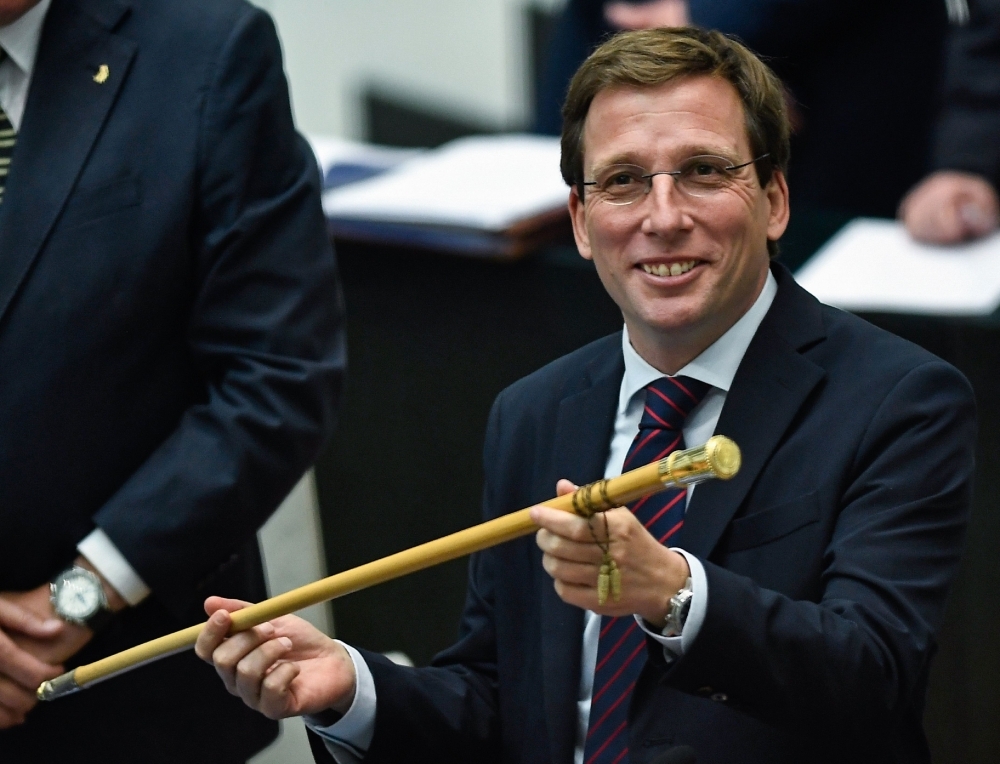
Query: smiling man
column 788, row 615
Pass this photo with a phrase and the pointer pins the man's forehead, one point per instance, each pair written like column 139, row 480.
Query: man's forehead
column 686, row 114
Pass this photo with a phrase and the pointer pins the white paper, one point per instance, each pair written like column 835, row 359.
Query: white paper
column 874, row 265
column 483, row 182
column 330, row 150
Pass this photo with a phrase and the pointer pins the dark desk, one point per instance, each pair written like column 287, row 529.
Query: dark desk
column 432, row 340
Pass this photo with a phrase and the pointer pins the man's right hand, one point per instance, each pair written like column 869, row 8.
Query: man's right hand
column 949, row 207
column 20, row 671
column 282, row 668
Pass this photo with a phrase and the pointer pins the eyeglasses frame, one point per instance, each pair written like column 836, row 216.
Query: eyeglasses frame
column 648, row 177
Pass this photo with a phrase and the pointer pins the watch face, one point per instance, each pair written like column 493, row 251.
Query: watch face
column 77, row 596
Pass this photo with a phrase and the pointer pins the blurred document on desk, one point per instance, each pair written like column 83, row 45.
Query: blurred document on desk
column 342, row 161
column 484, row 194
column 874, row 265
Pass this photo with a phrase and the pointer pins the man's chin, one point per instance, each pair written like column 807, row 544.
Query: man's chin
column 12, row 10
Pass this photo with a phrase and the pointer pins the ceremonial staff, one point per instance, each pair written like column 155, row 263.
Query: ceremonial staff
column 718, row 458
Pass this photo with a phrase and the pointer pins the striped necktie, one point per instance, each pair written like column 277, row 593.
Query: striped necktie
column 622, row 644
column 8, row 137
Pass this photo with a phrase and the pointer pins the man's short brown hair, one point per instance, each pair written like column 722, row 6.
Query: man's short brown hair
column 652, row 57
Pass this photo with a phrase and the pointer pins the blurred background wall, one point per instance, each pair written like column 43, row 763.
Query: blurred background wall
column 467, row 60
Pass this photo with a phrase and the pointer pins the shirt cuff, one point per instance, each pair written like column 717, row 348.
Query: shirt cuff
column 101, row 552
column 348, row 739
column 675, row 647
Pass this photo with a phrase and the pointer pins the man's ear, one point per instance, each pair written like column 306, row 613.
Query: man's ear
column 777, row 197
column 578, row 215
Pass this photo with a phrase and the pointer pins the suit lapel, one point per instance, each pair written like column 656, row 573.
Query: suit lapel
column 65, row 112
column 583, row 432
column 771, row 385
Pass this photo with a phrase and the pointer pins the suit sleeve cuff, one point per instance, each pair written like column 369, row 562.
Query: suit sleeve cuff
column 101, row 552
column 349, row 738
column 675, row 647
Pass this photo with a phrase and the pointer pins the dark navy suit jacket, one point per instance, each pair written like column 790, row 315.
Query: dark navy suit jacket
column 171, row 344
column 828, row 557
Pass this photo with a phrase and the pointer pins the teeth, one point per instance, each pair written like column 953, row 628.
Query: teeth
column 674, row 269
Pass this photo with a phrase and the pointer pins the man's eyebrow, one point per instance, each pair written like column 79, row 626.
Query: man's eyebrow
column 620, row 159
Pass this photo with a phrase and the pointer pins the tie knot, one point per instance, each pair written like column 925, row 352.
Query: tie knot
column 669, row 400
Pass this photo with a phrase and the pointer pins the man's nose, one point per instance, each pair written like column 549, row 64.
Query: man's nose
column 664, row 207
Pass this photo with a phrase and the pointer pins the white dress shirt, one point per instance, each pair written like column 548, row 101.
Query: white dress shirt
column 20, row 42
column 349, row 738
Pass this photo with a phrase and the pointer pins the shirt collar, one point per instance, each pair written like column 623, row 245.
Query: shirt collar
column 716, row 365
column 20, row 39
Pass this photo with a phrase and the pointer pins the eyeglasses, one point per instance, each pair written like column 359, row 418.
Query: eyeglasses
column 698, row 176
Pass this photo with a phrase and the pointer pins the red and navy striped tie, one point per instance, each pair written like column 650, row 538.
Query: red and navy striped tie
column 621, row 648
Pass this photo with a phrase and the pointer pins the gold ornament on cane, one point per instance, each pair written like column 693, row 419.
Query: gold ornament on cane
column 616, row 582
column 603, row 581
column 609, row 575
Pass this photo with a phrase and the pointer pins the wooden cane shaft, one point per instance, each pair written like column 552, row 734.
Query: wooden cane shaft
column 460, row 544
column 679, row 468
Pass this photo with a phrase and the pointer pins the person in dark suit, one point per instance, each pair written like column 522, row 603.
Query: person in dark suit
column 788, row 615
column 171, row 354
column 862, row 77
column 959, row 200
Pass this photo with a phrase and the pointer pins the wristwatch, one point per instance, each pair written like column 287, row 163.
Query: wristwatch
column 77, row 596
column 677, row 614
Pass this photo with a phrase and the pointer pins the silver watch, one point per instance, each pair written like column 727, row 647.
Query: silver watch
column 77, row 596
column 677, row 614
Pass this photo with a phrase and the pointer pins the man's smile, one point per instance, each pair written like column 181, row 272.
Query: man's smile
column 670, row 270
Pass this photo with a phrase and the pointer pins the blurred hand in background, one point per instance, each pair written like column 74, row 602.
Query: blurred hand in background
column 657, row 13
column 949, row 207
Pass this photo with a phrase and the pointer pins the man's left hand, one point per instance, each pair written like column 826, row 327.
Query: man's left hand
column 650, row 573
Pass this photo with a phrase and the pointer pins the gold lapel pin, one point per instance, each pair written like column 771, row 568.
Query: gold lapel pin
column 102, row 74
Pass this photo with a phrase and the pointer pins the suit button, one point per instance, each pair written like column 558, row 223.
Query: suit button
column 705, row 691
column 719, row 697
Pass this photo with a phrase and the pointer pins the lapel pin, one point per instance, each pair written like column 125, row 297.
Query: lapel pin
column 102, row 74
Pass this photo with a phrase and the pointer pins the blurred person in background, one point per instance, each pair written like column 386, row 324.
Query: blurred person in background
column 958, row 201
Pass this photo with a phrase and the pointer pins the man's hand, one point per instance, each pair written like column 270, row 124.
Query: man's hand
column 20, row 671
column 651, row 573
column 34, row 642
column 57, row 647
column 949, row 207
column 281, row 668
column 656, row 13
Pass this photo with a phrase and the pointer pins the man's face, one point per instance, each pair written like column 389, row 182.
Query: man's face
column 719, row 241
column 12, row 10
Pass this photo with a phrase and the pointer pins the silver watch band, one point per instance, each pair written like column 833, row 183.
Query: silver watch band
column 680, row 605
